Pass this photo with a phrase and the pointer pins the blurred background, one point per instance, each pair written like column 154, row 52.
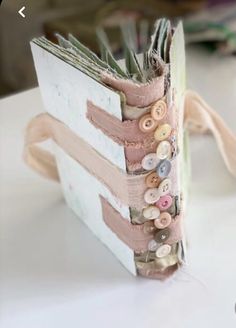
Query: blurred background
column 207, row 23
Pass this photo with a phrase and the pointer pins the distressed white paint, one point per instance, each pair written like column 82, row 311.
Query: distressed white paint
column 65, row 91
column 82, row 191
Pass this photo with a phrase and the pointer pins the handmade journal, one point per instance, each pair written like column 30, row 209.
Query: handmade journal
column 120, row 135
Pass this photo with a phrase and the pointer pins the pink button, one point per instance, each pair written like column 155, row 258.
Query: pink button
column 164, row 202
column 163, row 220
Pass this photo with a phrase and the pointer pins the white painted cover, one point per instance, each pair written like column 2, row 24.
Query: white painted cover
column 65, row 91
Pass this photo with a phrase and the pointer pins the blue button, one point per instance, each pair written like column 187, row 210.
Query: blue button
column 164, row 168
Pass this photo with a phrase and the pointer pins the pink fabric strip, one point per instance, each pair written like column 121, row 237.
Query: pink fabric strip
column 128, row 188
column 133, row 234
column 124, row 187
column 126, row 133
column 140, row 95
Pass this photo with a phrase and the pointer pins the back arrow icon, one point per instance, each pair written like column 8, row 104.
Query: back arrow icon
column 21, row 12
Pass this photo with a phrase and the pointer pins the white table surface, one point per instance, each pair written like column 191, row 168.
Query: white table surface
column 55, row 273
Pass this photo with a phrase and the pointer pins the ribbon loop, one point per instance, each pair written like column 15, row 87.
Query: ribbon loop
column 200, row 117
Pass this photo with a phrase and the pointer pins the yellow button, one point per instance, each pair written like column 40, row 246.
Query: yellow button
column 159, row 110
column 162, row 132
column 147, row 123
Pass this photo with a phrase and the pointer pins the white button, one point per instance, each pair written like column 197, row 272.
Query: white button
column 152, row 245
column 164, row 187
column 150, row 161
column 151, row 195
column 164, row 150
column 151, row 212
column 163, row 251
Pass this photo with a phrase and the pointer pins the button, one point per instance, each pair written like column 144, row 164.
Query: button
column 163, row 221
column 147, row 123
column 164, row 150
column 162, row 235
column 152, row 180
column 164, row 168
column 148, row 227
column 152, row 245
column 164, row 187
column 150, row 161
column 164, row 202
column 151, row 212
column 159, row 110
column 163, row 250
column 162, row 132
column 151, row 195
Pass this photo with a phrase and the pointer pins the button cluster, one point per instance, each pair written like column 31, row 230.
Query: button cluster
column 157, row 196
